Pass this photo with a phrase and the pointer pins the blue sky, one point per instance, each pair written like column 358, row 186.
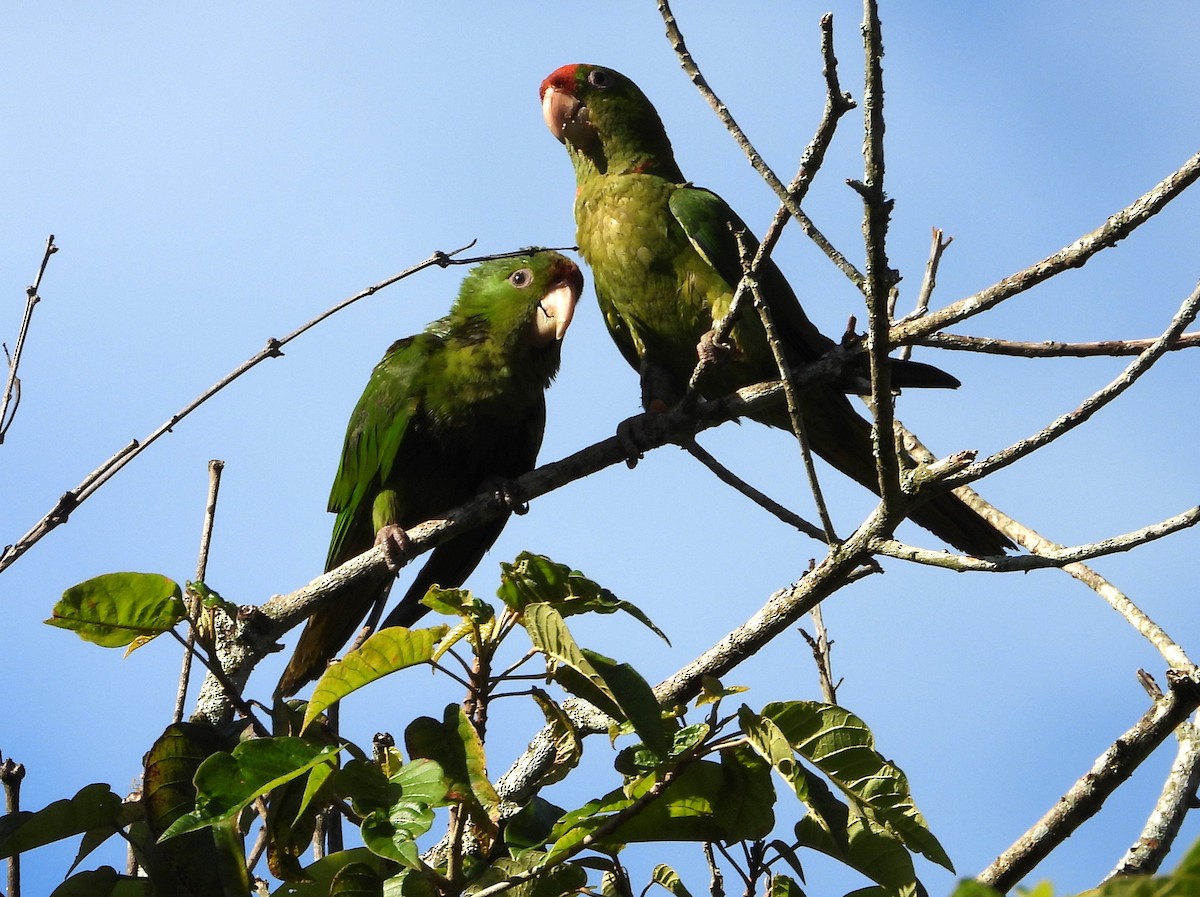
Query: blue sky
column 217, row 177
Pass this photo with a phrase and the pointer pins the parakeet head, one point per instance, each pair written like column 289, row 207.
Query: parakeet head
column 605, row 121
column 521, row 305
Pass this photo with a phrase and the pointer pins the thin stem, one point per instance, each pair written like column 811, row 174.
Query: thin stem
column 71, row 500
column 195, row 604
column 1050, row 348
column 729, row 478
column 675, row 36
column 937, row 246
column 12, row 383
column 1085, row 798
column 1075, row 255
column 1183, row 317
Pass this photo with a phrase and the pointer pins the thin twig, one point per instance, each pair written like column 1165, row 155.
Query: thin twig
column 729, row 478
column 1085, row 798
column 675, row 36
column 11, row 774
column 880, row 278
column 12, row 383
column 1049, row 348
column 822, row 651
column 1025, row 536
column 1177, row 798
column 1183, row 317
column 1051, row 558
column 195, row 604
column 71, row 500
column 937, row 246
column 1076, row 255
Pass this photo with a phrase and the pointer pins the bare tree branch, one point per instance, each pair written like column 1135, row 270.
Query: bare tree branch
column 1051, row 558
column 12, row 383
column 195, row 604
column 1183, row 317
column 1177, row 797
column 1049, row 348
column 1085, row 798
column 675, row 36
column 1076, row 255
column 72, row 499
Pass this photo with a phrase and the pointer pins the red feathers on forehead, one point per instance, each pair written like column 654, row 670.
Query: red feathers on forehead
column 562, row 79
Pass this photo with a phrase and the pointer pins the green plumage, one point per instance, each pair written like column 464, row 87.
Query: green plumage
column 665, row 262
column 447, row 413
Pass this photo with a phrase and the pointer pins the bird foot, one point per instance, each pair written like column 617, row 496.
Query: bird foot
column 395, row 543
column 633, row 435
column 711, row 351
column 507, row 494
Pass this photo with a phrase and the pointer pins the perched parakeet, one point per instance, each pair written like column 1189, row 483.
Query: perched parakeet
column 665, row 261
column 448, row 413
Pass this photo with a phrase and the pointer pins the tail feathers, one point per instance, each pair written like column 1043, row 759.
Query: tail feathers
column 842, row 437
column 326, row 632
column 917, row 375
column 448, row 566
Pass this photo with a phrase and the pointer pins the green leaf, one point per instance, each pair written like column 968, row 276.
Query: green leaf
column 839, row 744
column 617, row 689
column 530, row 827
column 568, row 746
column 557, row 881
column 454, row 744
column 116, row 609
column 668, row 878
column 321, row 874
column 1183, row 882
column 383, row 653
column 971, row 888
column 706, row 801
column 104, row 882
column 228, row 782
column 535, row 579
column 784, row 886
column 92, row 807
column 356, row 880
column 391, row 831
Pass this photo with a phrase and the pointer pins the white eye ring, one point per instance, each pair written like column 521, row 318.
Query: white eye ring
column 521, row 278
column 599, row 78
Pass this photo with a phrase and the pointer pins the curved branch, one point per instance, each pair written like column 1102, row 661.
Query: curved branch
column 1049, row 348
column 1085, row 798
column 12, row 383
column 1183, row 317
column 75, row 497
column 1076, row 255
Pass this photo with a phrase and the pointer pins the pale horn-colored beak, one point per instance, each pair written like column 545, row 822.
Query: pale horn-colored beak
column 555, row 311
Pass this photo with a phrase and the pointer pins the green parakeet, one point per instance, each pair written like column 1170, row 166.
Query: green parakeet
column 447, row 414
column 665, row 261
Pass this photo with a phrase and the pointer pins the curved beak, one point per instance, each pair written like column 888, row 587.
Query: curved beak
column 565, row 116
column 556, row 308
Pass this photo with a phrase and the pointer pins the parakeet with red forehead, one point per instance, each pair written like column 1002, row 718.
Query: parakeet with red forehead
column 447, row 414
column 665, row 261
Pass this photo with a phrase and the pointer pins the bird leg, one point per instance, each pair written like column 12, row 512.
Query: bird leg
column 395, row 543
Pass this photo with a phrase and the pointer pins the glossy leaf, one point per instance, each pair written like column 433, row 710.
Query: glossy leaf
column 228, row 782
column 568, row 746
column 839, row 744
column 116, row 609
column 321, row 874
column 92, row 807
column 668, row 878
column 383, row 653
column 617, row 689
column 413, row 791
column 104, row 882
column 454, row 744
column 534, row 579
column 727, row 801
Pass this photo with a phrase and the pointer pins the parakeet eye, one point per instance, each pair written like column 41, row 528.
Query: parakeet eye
column 521, row 278
column 599, row 78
